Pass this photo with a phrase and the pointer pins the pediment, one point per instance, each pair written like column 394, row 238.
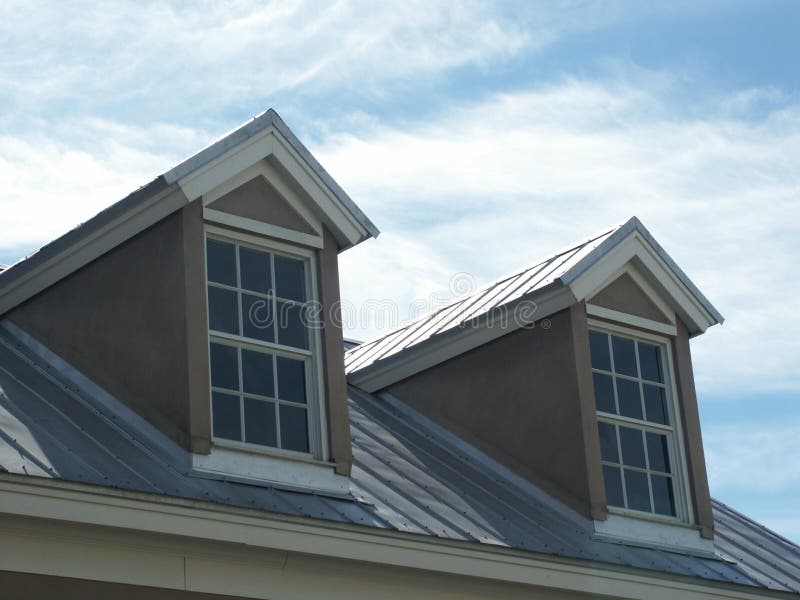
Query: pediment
column 258, row 200
column 624, row 294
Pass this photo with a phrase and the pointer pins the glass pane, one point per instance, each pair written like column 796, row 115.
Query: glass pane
column 663, row 496
column 608, row 442
column 291, row 379
column 630, row 400
column 637, row 490
column 655, row 404
column 255, row 270
column 650, row 362
column 224, row 367
column 257, row 318
column 290, row 278
column 613, row 481
column 222, row 310
column 598, row 346
column 632, row 445
column 221, row 262
column 624, row 356
column 291, row 328
column 604, row 393
column 257, row 373
column 225, row 413
column 259, row 422
column 658, row 452
column 294, row 428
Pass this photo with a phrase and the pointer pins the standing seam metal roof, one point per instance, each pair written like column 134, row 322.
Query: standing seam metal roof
column 409, row 475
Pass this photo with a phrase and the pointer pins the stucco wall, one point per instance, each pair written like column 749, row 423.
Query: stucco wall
column 518, row 399
column 121, row 321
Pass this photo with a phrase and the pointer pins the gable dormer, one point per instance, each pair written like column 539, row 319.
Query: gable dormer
column 204, row 301
column 575, row 373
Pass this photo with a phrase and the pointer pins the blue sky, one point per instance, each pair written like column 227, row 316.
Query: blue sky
column 478, row 137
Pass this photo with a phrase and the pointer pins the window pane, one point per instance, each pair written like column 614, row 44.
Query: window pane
column 598, row 346
column 632, row 447
column 637, row 490
column 224, row 367
column 222, row 310
column 291, row 379
column 650, row 362
column 630, row 400
column 227, row 420
column 290, row 278
column 221, row 262
column 658, row 452
column 613, row 480
column 255, row 270
column 257, row 373
column 655, row 404
column 294, row 428
column 624, row 356
column 259, row 422
column 291, row 329
column 663, row 496
column 257, row 318
column 604, row 393
column 608, row 442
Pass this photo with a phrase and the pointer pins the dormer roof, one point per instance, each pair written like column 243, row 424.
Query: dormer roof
column 528, row 295
column 265, row 137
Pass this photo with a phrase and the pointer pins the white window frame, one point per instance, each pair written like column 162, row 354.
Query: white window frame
column 675, row 436
column 315, row 400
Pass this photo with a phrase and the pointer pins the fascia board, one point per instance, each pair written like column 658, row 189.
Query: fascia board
column 668, row 266
column 174, row 520
column 634, row 247
column 454, row 342
column 254, row 130
column 260, row 145
column 87, row 242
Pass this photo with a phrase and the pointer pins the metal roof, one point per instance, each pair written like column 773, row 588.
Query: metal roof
column 557, row 270
column 269, row 118
column 409, row 475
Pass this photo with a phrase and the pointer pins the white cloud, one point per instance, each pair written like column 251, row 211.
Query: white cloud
column 491, row 186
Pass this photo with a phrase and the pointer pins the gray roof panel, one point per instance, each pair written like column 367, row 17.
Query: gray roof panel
column 409, row 475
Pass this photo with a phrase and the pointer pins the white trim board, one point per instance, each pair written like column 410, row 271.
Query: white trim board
column 300, row 473
column 178, row 522
column 259, row 227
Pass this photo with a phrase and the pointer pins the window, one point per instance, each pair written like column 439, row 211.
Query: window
column 260, row 346
column 636, row 421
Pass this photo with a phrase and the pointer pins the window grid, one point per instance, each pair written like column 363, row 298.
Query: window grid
column 641, row 425
column 275, row 349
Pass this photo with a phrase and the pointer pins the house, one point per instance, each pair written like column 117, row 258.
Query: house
column 180, row 416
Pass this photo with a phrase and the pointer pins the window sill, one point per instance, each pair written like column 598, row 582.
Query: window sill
column 261, row 468
column 653, row 532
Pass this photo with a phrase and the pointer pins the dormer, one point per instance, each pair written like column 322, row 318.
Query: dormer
column 575, row 373
column 205, row 302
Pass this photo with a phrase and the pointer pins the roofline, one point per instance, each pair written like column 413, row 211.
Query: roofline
column 72, row 503
column 269, row 118
column 162, row 186
column 622, row 232
column 556, row 296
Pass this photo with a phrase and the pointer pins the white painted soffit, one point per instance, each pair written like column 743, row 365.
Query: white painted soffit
column 169, row 192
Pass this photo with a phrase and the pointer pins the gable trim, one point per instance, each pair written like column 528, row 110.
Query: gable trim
column 261, row 228
column 629, row 319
